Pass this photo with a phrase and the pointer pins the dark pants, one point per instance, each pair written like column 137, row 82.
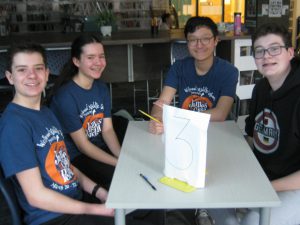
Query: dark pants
column 138, row 217
column 99, row 172
column 131, row 219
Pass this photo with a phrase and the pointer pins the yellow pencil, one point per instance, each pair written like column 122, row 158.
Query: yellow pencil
column 151, row 117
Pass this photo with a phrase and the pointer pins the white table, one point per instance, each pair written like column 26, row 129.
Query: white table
column 234, row 177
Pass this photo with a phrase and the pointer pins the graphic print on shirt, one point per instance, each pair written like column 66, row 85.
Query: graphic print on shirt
column 266, row 132
column 93, row 119
column 199, row 99
column 57, row 163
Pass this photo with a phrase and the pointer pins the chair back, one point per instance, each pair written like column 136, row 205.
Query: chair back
column 6, row 89
column 179, row 50
column 7, row 191
column 57, row 57
column 3, row 56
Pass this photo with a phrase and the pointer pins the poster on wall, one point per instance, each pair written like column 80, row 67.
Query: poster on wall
column 275, row 8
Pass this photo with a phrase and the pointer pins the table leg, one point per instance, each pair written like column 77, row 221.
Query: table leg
column 120, row 217
column 264, row 218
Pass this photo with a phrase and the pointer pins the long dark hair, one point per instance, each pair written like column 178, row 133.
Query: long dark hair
column 70, row 70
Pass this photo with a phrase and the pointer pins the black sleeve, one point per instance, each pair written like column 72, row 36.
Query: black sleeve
column 252, row 112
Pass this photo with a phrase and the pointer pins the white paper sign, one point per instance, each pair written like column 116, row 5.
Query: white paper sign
column 275, row 8
column 185, row 145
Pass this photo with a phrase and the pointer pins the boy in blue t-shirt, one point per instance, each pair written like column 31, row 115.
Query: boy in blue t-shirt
column 34, row 156
column 203, row 82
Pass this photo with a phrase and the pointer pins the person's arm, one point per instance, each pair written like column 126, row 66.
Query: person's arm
column 88, row 148
column 44, row 198
column 222, row 109
column 88, row 185
column 110, row 137
column 287, row 183
column 165, row 97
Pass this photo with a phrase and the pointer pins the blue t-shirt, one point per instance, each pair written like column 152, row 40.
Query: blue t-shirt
column 76, row 107
column 200, row 93
column 33, row 138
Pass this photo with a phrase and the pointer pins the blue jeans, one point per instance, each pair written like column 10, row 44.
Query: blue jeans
column 288, row 213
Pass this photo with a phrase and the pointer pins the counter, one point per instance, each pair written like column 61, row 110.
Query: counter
column 51, row 39
column 137, row 54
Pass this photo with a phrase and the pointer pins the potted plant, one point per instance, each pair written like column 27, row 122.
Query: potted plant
column 105, row 20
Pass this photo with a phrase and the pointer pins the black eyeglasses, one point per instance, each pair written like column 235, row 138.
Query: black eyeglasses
column 195, row 41
column 259, row 52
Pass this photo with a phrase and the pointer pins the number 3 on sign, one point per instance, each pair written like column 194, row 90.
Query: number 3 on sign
column 183, row 136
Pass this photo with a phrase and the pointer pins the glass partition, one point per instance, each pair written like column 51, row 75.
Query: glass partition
column 218, row 10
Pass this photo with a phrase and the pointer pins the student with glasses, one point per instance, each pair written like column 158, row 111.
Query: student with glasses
column 203, row 81
column 273, row 125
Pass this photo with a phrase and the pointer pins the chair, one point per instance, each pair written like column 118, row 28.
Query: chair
column 6, row 90
column 178, row 50
column 56, row 58
column 7, row 191
column 4, row 85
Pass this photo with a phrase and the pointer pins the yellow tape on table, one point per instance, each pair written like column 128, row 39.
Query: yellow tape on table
column 177, row 184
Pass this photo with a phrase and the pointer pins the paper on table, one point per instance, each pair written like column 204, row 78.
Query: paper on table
column 185, row 145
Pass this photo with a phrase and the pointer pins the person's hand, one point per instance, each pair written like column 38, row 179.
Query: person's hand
column 103, row 211
column 155, row 127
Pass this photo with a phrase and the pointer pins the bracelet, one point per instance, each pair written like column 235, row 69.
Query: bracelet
column 95, row 189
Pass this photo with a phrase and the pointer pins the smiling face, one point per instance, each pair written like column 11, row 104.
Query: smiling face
column 92, row 61
column 28, row 75
column 276, row 66
column 202, row 43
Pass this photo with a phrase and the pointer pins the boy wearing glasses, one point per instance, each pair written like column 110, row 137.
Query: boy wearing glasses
column 273, row 125
column 203, row 82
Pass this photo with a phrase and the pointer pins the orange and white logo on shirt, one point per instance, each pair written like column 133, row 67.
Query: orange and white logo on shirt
column 197, row 103
column 92, row 124
column 93, row 119
column 58, row 164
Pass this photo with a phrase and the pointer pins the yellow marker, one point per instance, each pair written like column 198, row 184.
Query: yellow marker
column 151, row 117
